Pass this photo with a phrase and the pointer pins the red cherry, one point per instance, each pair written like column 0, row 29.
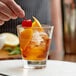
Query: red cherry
column 27, row 23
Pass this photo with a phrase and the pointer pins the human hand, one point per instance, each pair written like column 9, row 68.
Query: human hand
column 9, row 9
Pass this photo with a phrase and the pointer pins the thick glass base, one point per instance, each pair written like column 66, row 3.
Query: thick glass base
column 34, row 64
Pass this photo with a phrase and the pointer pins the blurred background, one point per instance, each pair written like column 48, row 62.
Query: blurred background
column 68, row 27
column 63, row 17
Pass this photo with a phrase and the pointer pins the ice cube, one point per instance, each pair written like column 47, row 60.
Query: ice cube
column 37, row 38
column 21, row 29
column 44, row 35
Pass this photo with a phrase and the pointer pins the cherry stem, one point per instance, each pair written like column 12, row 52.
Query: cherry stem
column 24, row 18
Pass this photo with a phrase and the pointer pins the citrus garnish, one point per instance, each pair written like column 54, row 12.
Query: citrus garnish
column 11, row 39
column 33, row 53
column 37, row 24
column 25, row 37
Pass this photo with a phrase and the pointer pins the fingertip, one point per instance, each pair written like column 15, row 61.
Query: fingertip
column 1, row 23
column 22, row 14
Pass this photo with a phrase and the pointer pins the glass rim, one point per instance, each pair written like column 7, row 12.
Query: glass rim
column 49, row 26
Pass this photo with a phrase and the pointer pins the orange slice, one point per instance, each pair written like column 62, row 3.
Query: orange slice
column 34, row 53
column 25, row 37
column 37, row 24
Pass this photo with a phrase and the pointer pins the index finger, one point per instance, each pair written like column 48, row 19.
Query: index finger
column 14, row 7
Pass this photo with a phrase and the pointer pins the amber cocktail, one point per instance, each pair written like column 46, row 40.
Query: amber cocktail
column 34, row 44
